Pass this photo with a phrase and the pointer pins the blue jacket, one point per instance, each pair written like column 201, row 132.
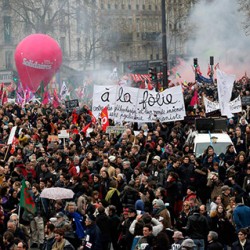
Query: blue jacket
column 241, row 216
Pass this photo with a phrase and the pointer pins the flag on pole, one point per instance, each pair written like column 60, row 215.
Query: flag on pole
column 4, row 98
column 209, row 70
column 74, row 117
column 1, row 90
column 26, row 200
column 14, row 144
column 104, row 118
column 56, row 101
column 93, row 119
column 45, row 98
column 64, row 91
column 84, row 130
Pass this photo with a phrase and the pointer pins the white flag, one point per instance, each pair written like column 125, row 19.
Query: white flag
column 225, row 84
column 64, row 91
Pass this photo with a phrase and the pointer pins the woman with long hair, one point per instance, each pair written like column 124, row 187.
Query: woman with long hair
column 220, row 223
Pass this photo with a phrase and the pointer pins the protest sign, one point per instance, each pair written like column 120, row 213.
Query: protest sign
column 139, row 105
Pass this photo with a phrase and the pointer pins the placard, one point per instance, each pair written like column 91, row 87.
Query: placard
column 72, row 104
column 139, row 105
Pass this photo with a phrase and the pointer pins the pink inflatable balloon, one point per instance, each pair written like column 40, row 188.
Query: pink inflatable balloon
column 37, row 57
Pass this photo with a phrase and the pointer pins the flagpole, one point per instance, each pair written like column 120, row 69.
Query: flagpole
column 19, row 213
column 6, row 152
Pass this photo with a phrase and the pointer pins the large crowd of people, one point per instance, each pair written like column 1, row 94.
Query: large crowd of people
column 131, row 191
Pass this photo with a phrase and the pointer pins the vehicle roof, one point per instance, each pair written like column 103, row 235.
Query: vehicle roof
column 221, row 137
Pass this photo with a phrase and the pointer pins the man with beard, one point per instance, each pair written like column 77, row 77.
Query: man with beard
column 60, row 242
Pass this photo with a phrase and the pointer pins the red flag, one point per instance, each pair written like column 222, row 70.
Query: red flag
column 209, row 70
column 194, row 100
column 93, row 119
column 56, row 101
column 217, row 66
column 1, row 90
column 84, row 130
column 45, row 98
column 4, row 98
column 14, row 144
column 74, row 117
column 104, row 118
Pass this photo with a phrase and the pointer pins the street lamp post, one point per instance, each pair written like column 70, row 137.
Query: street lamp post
column 164, row 45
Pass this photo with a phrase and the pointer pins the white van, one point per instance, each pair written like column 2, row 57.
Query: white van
column 200, row 142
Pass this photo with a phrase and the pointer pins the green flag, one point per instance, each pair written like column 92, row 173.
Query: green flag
column 26, row 200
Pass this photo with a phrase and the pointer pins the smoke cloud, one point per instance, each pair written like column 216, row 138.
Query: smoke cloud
column 217, row 31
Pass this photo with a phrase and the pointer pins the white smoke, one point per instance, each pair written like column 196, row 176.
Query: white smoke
column 218, row 31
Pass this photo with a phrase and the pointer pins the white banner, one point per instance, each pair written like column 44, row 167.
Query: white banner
column 210, row 106
column 139, row 105
column 224, row 85
column 235, row 105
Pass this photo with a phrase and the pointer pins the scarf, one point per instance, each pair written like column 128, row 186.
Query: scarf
column 110, row 194
column 58, row 245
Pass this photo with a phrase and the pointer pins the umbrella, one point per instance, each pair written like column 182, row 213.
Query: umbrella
column 57, row 193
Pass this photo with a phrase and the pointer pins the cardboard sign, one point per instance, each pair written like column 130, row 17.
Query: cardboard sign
column 12, row 134
column 72, row 104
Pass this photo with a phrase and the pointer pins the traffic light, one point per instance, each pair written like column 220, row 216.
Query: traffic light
column 211, row 60
column 153, row 74
column 195, row 62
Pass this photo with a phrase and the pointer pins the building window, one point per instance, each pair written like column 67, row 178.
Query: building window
column 151, row 57
column 123, row 6
column 156, row 7
column 7, row 29
column 116, row 6
column 129, row 6
column 150, row 7
column 8, row 59
column 143, row 6
column 137, row 7
column 157, row 57
column 109, row 6
column 138, row 35
column 102, row 6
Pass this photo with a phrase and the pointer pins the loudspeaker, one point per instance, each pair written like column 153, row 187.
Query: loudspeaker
column 204, row 124
column 220, row 124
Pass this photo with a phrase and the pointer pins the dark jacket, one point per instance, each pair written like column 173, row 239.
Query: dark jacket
column 237, row 246
column 197, row 226
column 93, row 238
column 214, row 245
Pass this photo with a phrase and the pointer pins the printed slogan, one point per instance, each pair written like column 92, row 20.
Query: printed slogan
column 139, row 105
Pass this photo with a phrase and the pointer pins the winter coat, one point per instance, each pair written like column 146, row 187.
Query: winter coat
column 93, row 238
column 237, row 246
column 241, row 216
column 214, row 245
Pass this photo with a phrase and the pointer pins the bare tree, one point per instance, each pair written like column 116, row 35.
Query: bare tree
column 244, row 7
column 39, row 16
